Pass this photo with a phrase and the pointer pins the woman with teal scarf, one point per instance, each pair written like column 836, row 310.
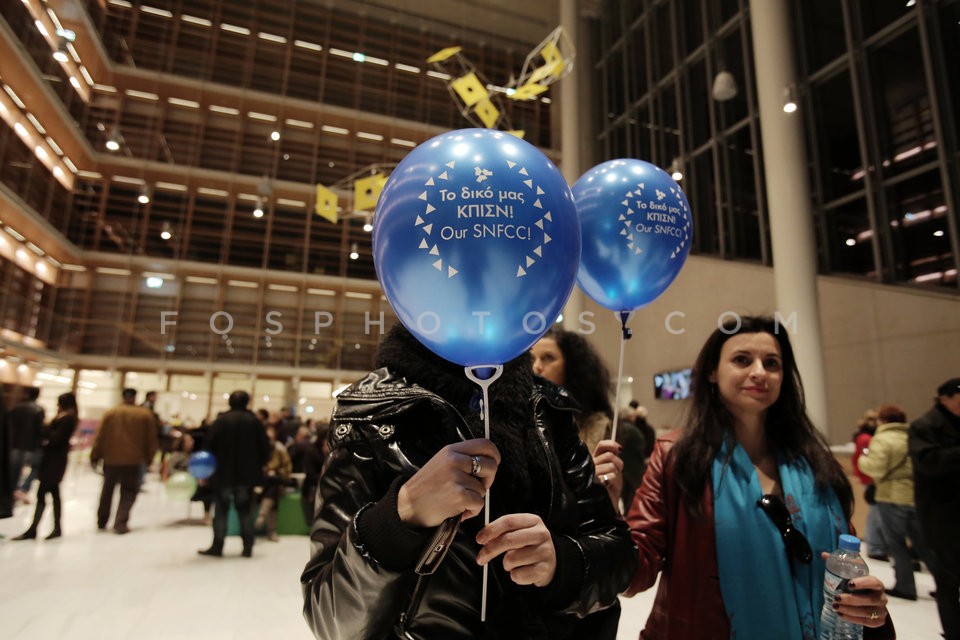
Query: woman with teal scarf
column 739, row 510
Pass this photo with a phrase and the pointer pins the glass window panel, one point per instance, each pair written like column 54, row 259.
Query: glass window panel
column 662, row 38
column 613, row 28
column 838, row 149
column 147, row 341
column 699, row 112
column 167, row 214
column 614, row 82
column 637, row 81
column 691, row 20
column 728, row 9
column 186, row 382
column 950, row 39
column 246, row 238
column 824, row 35
column 667, row 127
column 631, row 10
column 916, row 214
column 52, row 382
column 700, row 188
column 850, row 239
column 287, row 234
column 640, row 132
column 97, row 391
column 877, row 14
column 744, row 241
column 268, row 394
column 904, row 118
column 362, row 267
column 205, row 235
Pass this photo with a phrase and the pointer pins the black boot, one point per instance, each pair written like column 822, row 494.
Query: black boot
column 56, row 533
column 31, row 533
column 215, row 550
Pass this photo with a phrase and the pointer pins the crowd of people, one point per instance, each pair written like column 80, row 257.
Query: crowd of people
column 732, row 515
column 131, row 438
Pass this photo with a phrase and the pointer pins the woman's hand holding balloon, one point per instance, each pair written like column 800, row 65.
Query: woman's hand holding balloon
column 527, row 547
column 453, row 481
column 609, row 467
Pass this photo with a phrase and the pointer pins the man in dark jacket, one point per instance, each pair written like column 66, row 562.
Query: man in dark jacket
column 935, row 448
column 25, row 422
column 239, row 443
column 398, row 547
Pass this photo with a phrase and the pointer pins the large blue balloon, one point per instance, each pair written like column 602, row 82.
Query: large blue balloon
column 476, row 244
column 636, row 227
column 202, row 464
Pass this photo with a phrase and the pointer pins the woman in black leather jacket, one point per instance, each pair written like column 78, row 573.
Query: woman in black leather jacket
column 408, row 458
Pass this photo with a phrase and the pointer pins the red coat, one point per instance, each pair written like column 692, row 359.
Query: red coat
column 861, row 443
column 670, row 540
column 683, row 550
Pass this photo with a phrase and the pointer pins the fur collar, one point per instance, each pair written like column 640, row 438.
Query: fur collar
column 510, row 396
column 523, row 466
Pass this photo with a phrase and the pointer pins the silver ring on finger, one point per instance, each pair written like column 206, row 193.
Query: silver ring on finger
column 475, row 466
column 605, row 478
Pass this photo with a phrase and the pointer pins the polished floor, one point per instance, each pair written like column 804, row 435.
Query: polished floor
column 150, row 584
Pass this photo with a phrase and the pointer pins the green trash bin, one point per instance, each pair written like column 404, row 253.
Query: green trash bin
column 290, row 516
column 233, row 520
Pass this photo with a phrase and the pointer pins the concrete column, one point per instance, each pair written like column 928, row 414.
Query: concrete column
column 570, row 132
column 788, row 196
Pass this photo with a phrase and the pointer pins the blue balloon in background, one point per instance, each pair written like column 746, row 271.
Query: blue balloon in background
column 636, row 226
column 202, row 464
column 476, row 244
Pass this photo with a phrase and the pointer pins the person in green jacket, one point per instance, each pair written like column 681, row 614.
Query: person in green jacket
column 888, row 462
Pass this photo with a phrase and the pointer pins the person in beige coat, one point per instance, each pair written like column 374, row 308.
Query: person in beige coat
column 888, row 462
column 127, row 439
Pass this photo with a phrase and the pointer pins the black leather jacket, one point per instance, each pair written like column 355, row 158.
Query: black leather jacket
column 380, row 438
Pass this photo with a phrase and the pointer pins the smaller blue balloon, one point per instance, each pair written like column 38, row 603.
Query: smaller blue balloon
column 636, row 227
column 202, row 464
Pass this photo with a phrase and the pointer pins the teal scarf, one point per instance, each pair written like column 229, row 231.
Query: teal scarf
column 762, row 596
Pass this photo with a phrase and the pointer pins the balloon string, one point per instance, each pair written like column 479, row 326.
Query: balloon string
column 625, row 335
column 495, row 370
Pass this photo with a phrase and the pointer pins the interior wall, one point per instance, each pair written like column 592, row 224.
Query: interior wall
column 882, row 343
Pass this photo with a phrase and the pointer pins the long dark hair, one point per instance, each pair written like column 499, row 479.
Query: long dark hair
column 789, row 431
column 584, row 374
column 67, row 401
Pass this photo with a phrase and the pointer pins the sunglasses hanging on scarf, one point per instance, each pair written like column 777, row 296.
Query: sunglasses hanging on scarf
column 796, row 544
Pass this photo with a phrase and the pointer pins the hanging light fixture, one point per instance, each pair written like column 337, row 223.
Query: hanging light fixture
column 144, row 197
column 354, row 251
column 368, row 223
column 676, row 172
column 165, row 232
column 62, row 54
column 789, row 99
column 113, row 142
column 724, row 87
column 258, row 208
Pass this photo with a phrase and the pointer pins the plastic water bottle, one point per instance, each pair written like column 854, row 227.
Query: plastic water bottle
column 843, row 565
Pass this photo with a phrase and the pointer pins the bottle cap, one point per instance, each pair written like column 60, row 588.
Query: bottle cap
column 849, row 543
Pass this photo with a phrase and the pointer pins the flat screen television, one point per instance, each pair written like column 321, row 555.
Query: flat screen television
column 672, row 385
